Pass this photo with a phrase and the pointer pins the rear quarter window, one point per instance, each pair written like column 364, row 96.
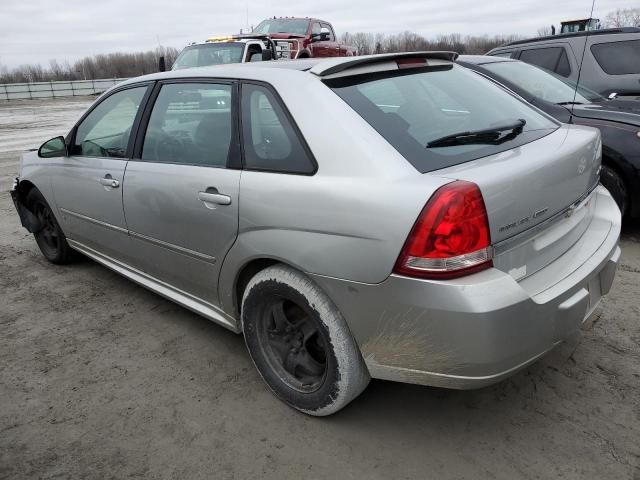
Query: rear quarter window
column 503, row 54
column 618, row 58
column 270, row 139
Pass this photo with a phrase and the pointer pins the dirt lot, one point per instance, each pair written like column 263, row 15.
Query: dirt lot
column 102, row 379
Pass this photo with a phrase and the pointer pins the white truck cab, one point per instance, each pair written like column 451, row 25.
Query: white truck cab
column 225, row 50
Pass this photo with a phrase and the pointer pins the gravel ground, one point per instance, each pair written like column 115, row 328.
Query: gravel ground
column 100, row 378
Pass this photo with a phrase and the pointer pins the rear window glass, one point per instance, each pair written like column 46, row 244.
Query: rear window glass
column 540, row 83
column 411, row 108
column 618, row 58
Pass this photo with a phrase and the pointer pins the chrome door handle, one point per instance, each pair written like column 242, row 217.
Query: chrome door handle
column 215, row 198
column 108, row 181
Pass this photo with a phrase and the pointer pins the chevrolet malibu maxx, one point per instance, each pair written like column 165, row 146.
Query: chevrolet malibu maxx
column 390, row 216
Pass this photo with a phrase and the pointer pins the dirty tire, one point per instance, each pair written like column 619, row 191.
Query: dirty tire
column 616, row 186
column 50, row 239
column 307, row 357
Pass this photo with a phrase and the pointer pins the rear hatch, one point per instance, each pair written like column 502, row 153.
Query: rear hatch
column 536, row 196
column 534, row 174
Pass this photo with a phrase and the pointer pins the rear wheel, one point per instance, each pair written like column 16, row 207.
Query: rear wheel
column 616, row 186
column 300, row 343
column 50, row 238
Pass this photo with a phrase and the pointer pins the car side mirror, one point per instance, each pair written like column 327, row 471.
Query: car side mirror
column 320, row 37
column 612, row 95
column 56, row 147
column 267, row 55
column 162, row 66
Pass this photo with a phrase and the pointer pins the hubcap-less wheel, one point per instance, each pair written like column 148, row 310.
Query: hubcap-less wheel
column 50, row 237
column 293, row 344
column 300, row 343
column 49, row 232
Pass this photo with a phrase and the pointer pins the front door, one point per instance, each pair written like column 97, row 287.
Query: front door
column 87, row 185
column 180, row 197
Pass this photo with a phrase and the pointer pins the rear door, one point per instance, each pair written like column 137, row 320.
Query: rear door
column 181, row 191
column 88, row 184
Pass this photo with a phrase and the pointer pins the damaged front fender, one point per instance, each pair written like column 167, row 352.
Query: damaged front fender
column 27, row 217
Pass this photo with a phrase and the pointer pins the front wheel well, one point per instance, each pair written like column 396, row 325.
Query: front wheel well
column 25, row 187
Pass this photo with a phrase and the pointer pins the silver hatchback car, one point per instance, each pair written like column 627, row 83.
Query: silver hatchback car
column 391, row 216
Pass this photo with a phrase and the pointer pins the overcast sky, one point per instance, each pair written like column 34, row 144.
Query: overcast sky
column 36, row 31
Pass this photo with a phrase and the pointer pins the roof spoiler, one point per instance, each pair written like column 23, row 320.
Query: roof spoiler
column 330, row 67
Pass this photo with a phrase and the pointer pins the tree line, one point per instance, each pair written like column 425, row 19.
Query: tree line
column 371, row 43
column 120, row 65
column 110, row 65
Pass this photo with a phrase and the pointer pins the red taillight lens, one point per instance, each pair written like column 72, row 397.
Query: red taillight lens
column 411, row 62
column 451, row 237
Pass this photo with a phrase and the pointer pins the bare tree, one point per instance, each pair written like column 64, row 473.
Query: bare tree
column 544, row 31
column 627, row 17
column 110, row 65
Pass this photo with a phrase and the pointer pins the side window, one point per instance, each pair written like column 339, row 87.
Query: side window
column 327, row 29
column 618, row 58
column 254, row 53
column 563, row 67
column 270, row 141
column 315, row 28
column 543, row 57
column 503, row 54
column 190, row 123
column 106, row 130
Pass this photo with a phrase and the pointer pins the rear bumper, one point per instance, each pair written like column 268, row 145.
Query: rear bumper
column 477, row 330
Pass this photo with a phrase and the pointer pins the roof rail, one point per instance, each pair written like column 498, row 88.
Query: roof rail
column 584, row 33
column 337, row 65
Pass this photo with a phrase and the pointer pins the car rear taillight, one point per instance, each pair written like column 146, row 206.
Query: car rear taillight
column 451, row 237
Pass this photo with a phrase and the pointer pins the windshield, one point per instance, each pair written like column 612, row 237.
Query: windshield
column 411, row 108
column 541, row 83
column 283, row 25
column 209, row 54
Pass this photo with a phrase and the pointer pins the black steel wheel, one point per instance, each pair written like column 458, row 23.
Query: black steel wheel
column 50, row 237
column 293, row 342
column 300, row 343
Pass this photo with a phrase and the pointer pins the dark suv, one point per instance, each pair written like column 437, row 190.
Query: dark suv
column 618, row 120
column 611, row 58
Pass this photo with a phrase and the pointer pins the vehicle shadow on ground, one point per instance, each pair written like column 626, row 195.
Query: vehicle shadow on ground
column 631, row 229
column 400, row 404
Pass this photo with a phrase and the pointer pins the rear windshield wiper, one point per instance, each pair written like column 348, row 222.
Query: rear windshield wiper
column 488, row 136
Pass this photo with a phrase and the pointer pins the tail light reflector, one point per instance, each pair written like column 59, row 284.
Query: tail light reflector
column 451, row 237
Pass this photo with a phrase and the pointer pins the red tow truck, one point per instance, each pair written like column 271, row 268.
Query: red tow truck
column 303, row 37
column 272, row 39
